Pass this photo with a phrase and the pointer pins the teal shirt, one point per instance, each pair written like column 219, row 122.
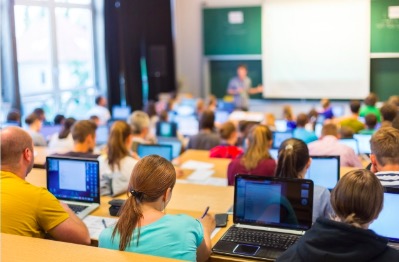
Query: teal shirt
column 304, row 135
column 367, row 131
column 365, row 110
column 172, row 236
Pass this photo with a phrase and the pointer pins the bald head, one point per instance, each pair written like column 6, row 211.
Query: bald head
column 14, row 141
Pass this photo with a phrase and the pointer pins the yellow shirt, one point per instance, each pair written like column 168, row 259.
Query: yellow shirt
column 28, row 210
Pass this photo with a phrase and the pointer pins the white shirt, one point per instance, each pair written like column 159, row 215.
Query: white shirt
column 64, row 144
column 102, row 112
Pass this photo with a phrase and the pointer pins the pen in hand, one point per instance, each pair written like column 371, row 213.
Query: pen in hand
column 205, row 212
column 105, row 224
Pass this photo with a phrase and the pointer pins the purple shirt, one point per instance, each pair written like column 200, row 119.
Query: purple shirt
column 329, row 146
column 266, row 167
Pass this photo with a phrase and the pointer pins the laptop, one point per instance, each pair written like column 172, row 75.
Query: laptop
column 317, row 129
column 281, row 125
column 352, row 143
column 324, row 171
column 166, row 129
column 187, row 125
column 387, row 222
column 76, row 182
column 274, row 153
column 270, row 214
column 174, row 142
column 121, row 112
column 364, row 143
column 48, row 130
column 280, row 137
column 164, row 151
column 102, row 134
column 221, row 116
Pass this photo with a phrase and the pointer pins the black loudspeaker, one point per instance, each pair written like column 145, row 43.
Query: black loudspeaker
column 157, row 61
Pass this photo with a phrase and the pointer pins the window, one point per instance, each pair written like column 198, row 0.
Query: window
column 55, row 55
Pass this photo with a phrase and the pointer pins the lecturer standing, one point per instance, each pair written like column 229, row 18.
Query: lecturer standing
column 240, row 87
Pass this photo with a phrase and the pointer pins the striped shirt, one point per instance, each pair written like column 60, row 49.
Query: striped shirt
column 388, row 178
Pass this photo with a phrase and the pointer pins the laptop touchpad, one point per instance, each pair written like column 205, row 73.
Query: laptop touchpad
column 246, row 250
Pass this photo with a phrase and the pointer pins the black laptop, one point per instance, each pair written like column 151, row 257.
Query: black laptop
column 270, row 214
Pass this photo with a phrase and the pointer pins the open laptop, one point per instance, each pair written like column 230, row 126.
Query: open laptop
column 76, row 182
column 352, row 143
column 121, row 112
column 187, row 125
column 274, row 153
column 174, row 142
column 102, row 134
column 324, row 171
column 48, row 130
column 364, row 143
column 164, row 151
column 281, row 125
column 221, row 116
column 166, row 129
column 387, row 222
column 270, row 214
column 280, row 137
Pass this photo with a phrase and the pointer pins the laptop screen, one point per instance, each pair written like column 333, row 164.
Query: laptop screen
column 187, row 125
column 387, row 222
column 166, row 129
column 48, row 131
column 324, row 171
column 175, row 143
column 352, row 143
column 317, row 129
column 280, row 137
column 364, row 143
column 281, row 125
column 272, row 201
column 121, row 112
column 102, row 133
column 164, row 151
column 221, row 116
column 274, row 153
column 73, row 179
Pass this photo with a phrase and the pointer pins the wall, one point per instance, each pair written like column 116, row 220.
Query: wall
column 188, row 41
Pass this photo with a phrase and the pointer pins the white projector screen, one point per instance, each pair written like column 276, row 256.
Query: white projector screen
column 316, row 48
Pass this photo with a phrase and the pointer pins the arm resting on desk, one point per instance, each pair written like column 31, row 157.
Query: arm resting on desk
column 204, row 250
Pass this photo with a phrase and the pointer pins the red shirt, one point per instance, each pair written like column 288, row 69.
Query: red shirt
column 225, row 151
column 266, row 167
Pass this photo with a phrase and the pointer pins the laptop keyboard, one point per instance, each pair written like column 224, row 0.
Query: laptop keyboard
column 258, row 237
column 77, row 208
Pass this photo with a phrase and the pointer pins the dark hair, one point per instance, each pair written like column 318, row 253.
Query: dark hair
column 293, row 155
column 150, row 109
column 38, row 111
column 302, row 120
column 371, row 99
column 14, row 115
column 164, row 116
column 388, row 112
column 395, row 122
column 30, row 119
column 207, row 120
column 58, row 119
column 226, row 130
column 355, row 106
column 82, row 129
column 66, row 128
column 371, row 121
column 98, row 99
column 120, row 132
column 150, row 179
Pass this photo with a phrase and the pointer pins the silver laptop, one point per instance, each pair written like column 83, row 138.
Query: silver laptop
column 270, row 214
column 165, row 151
column 324, row 171
column 364, row 143
column 75, row 182
column 387, row 222
column 352, row 143
column 174, row 142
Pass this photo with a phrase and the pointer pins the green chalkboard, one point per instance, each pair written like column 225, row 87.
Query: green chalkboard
column 223, row 71
column 221, row 37
column 384, row 78
column 384, row 31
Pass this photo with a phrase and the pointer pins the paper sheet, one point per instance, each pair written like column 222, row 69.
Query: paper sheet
column 96, row 226
column 215, row 232
column 200, row 175
column 194, row 165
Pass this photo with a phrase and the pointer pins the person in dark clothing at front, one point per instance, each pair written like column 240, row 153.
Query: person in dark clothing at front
column 357, row 200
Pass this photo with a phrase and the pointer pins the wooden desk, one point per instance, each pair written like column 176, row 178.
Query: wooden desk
column 220, row 164
column 22, row 249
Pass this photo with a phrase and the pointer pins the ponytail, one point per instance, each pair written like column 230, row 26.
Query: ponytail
column 117, row 150
column 293, row 155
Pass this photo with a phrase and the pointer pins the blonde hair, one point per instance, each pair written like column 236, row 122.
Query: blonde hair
column 258, row 149
column 385, row 145
column 288, row 113
column 116, row 146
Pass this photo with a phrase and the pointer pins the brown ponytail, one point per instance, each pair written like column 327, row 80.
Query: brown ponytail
column 150, row 179
column 293, row 155
column 117, row 150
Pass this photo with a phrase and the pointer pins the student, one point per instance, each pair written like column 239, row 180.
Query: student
column 326, row 110
column 27, row 210
column 370, row 108
column 385, row 156
column 256, row 160
column 352, row 120
column 346, row 132
column 300, row 132
column 84, row 139
column 59, row 120
column 293, row 162
column 100, row 110
column 117, row 165
column 35, row 125
column 212, row 103
column 63, row 140
column 329, row 145
column 139, row 123
column 288, row 115
column 143, row 227
column 39, row 112
column 206, row 139
column 388, row 113
column 13, row 118
column 356, row 200
column 151, row 111
column 227, row 148
column 371, row 123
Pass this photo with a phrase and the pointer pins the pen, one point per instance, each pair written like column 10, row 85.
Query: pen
column 105, row 224
column 206, row 212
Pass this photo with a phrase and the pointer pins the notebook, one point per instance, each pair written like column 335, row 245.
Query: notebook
column 352, row 143
column 76, row 182
column 166, row 129
column 364, row 143
column 121, row 112
column 174, row 142
column 387, row 222
column 270, row 214
column 324, row 171
column 164, row 151
column 280, row 137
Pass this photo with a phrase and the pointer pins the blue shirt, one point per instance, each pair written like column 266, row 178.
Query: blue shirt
column 172, row 236
column 321, row 203
column 241, row 100
column 304, row 135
